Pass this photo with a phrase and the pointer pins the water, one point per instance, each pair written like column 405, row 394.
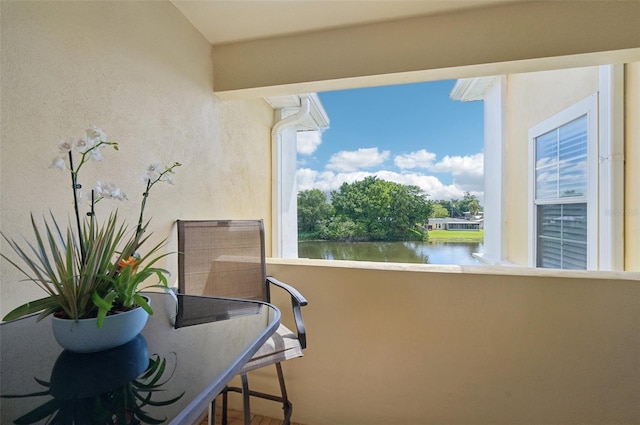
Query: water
column 399, row 252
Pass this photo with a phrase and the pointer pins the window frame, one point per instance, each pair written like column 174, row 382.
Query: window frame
column 587, row 107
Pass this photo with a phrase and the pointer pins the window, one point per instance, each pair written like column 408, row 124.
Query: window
column 564, row 181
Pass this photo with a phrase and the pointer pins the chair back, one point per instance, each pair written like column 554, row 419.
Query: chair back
column 222, row 258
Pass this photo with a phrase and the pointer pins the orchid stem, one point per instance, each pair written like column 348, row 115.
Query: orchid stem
column 76, row 186
column 139, row 229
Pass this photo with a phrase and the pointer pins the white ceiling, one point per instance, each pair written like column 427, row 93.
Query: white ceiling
column 224, row 21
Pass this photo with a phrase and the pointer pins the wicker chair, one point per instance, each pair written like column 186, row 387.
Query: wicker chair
column 226, row 258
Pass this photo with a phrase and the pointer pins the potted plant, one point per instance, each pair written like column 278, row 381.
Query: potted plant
column 90, row 269
column 112, row 387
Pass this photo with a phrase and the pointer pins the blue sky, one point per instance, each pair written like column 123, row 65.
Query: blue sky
column 410, row 134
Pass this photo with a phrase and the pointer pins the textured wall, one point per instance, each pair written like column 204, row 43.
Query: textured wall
column 513, row 37
column 423, row 344
column 531, row 99
column 141, row 72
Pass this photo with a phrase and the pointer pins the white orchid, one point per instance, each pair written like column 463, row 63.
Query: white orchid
column 65, row 146
column 58, row 162
column 109, row 191
column 95, row 135
column 96, row 154
column 156, row 173
column 90, row 147
column 87, row 272
column 153, row 172
column 83, row 145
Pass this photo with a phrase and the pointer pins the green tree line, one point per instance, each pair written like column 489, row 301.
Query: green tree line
column 374, row 210
column 369, row 209
column 456, row 208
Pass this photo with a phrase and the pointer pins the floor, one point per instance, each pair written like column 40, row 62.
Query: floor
column 235, row 417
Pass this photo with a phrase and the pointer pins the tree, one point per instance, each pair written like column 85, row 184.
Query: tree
column 383, row 210
column 438, row 211
column 313, row 209
column 473, row 207
column 469, row 204
column 451, row 207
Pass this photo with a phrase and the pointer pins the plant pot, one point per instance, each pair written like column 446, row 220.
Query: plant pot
column 84, row 375
column 84, row 335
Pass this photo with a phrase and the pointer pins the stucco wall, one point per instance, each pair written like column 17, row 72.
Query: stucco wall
column 531, row 99
column 515, row 36
column 142, row 73
column 422, row 344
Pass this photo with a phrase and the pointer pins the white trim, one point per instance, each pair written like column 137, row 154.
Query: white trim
column 471, row 89
column 495, row 171
column 611, row 177
column 284, row 204
column 588, row 106
column 294, row 113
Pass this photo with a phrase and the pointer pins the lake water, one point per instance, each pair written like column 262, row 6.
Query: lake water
column 399, row 252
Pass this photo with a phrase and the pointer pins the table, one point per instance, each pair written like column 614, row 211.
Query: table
column 187, row 353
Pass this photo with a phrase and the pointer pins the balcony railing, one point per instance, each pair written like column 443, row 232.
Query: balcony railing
column 414, row 344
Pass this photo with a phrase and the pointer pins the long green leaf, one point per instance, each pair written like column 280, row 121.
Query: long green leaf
column 31, row 307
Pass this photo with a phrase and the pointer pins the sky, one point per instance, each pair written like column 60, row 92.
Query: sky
column 411, row 134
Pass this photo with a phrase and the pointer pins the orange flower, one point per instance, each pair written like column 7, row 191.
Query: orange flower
column 131, row 261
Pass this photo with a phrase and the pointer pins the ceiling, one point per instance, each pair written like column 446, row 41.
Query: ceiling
column 226, row 21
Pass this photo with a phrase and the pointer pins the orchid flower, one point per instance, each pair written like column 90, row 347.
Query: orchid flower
column 96, row 135
column 83, row 145
column 96, row 154
column 58, row 162
column 153, row 173
column 109, row 191
column 95, row 267
column 65, row 146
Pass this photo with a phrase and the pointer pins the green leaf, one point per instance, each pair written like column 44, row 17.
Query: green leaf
column 31, row 307
column 104, row 305
column 101, row 302
column 142, row 302
column 39, row 413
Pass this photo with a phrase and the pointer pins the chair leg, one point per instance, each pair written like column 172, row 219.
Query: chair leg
column 246, row 393
column 225, row 396
column 286, row 404
column 212, row 413
column 245, row 399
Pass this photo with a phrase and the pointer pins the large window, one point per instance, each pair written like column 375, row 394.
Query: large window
column 564, row 188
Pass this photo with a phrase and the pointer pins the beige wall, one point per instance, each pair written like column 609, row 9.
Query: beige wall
column 632, row 168
column 141, row 72
column 520, row 36
column 385, row 346
column 531, row 99
column 424, row 344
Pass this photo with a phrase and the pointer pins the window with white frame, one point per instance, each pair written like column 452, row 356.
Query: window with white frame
column 564, row 188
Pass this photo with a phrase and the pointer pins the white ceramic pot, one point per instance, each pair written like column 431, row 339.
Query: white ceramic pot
column 84, row 335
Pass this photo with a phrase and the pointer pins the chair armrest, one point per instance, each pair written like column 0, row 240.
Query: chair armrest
column 297, row 301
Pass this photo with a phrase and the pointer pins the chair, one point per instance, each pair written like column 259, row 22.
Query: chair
column 226, row 258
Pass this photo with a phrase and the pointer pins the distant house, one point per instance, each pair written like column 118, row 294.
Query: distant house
column 455, row 224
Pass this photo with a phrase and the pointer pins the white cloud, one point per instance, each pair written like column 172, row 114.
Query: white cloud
column 467, row 171
column 430, row 185
column 460, row 164
column 308, row 141
column 419, row 159
column 327, row 181
column 345, row 167
column 351, row 161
